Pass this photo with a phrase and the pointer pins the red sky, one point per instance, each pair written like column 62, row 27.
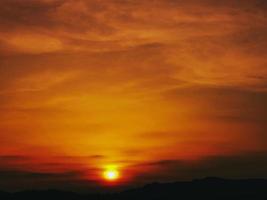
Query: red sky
column 163, row 89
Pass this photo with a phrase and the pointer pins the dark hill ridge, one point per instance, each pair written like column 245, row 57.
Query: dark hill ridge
column 208, row 188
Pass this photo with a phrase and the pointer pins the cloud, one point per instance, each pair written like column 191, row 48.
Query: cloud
column 24, row 172
column 24, row 180
column 235, row 166
column 232, row 166
column 16, row 13
column 240, row 105
column 38, row 44
column 5, row 175
column 131, row 81
column 134, row 22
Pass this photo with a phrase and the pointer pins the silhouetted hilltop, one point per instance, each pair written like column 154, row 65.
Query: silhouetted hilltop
column 208, row 188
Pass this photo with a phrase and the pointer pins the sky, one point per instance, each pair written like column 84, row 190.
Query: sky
column 163, row 90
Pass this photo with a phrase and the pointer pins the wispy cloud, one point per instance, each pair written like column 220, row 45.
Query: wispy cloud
column 115, row 79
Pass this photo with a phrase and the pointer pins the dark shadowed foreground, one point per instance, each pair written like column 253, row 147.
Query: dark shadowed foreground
column 209, row 188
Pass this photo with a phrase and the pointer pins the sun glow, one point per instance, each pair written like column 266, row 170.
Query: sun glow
column 111, row 173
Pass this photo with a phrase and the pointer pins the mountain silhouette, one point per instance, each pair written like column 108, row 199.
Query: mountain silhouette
column 208, row 188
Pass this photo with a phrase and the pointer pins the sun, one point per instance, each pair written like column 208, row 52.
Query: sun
column 111, row 173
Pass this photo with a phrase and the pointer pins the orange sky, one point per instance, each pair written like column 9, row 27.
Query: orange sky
column 163, row 89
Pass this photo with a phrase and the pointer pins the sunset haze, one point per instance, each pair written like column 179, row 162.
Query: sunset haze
column 163, row 90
